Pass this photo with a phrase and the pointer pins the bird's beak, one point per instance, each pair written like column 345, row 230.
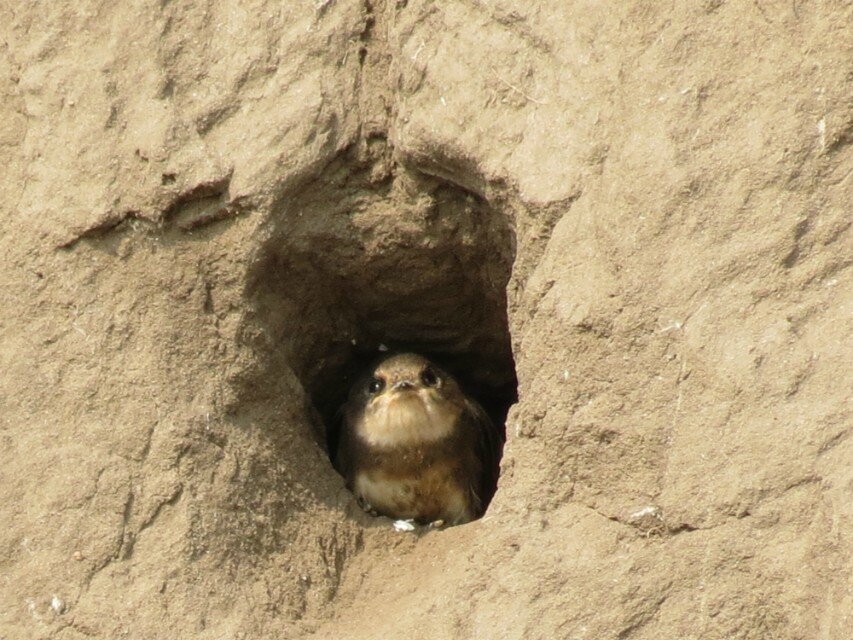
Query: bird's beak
column 402, row 384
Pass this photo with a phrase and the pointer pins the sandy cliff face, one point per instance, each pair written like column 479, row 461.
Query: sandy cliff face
column 214, row 212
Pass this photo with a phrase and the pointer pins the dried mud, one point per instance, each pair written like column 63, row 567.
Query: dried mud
column 626, row 224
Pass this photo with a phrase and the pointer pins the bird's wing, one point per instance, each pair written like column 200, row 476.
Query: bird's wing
column 488, row 443
column 341, row 444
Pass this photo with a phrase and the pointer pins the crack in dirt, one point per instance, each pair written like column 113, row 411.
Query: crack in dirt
column 199, row 206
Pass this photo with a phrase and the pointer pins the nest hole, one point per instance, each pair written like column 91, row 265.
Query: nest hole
column 352, row 267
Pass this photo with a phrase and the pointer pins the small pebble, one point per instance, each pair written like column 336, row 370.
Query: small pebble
column 57, row 605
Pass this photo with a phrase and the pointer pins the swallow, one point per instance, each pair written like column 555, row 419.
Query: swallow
column 414, row 446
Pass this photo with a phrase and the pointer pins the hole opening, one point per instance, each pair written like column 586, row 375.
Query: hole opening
column 354, row 268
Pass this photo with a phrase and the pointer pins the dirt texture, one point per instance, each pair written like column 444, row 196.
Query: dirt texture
column 214, row 212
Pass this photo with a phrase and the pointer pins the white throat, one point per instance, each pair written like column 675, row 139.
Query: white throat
column 408, row 418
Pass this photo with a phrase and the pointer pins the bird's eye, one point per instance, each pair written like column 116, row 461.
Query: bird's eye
column 429, row 378
column 376, row 385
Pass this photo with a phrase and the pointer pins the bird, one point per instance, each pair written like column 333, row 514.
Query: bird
column 413, row 446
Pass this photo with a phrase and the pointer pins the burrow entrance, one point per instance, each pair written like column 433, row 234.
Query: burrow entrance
column 354, row 265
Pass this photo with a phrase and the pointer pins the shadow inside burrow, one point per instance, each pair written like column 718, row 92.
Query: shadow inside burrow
column 351, row 267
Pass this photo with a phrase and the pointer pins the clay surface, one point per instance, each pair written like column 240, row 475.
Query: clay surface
column 213, row 212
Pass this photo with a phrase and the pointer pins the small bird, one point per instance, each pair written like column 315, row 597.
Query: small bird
column 413, row 446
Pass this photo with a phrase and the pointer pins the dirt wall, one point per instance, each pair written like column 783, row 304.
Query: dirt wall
column 628, row 221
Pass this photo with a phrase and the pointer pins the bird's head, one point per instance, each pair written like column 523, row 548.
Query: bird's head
column 405, row 394
column 407, row 373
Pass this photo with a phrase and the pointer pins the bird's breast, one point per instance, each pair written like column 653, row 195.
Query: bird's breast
column 428, row 494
